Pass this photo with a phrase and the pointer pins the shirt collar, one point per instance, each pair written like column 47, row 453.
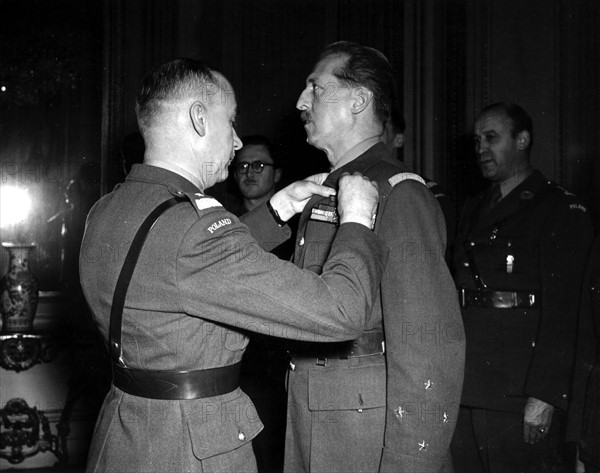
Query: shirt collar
column 355, row 152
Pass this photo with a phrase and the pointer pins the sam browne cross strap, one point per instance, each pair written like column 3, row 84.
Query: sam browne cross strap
column 159, row 384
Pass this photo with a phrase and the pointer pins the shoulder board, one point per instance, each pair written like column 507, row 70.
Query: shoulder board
column 203, row 202
column 564, row 191
column 403, row 176
column 574, row 203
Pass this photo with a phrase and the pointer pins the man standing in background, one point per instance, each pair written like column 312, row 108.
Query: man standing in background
column 519, row 259
column 393, row 137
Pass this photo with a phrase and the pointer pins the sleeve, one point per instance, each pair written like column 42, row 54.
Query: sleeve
column 264, row 229
column 564, row 244
column 423, row 332
column 586, row 348
column 224, row 276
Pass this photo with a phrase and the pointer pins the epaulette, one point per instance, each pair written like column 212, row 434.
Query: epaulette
column 564, row 191
column 203, row 202
column 403, row 176
column 574, row 205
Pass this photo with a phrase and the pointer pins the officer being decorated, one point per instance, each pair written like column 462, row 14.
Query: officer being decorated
column 518, row 261
column 387, row 402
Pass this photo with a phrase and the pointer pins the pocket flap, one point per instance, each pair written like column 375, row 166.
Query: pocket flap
column 223, row 425
column 359, row 387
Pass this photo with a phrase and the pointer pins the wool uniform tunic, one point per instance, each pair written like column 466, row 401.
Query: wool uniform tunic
column 201, row 282
column 354, row 413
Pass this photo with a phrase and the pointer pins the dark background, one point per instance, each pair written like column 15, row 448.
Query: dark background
column 71, row 71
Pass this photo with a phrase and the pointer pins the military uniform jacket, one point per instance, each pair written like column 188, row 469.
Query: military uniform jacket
column 583, row 427
column 536, row 239
column 418, row 308
column 200, row 283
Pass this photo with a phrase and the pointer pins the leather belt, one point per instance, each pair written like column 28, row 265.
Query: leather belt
column 368, row 344
column 497, row 299
column 174, row 385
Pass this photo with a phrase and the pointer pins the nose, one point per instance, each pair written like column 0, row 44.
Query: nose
column 237, row 143
column 303, row 102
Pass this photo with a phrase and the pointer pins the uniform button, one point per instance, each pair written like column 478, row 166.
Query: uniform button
column 301, row 241
column 241, row 436
column 466, row 264
column 472, row 243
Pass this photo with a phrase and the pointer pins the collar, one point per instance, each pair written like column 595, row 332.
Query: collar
column 355, row 152
column 156, row 175
column 376, row 153
column 509, row 185
column 176, row 169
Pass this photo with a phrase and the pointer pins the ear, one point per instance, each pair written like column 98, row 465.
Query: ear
column 362, row 97
column 198, row 115
column 398, row 140
column 277, row 175
column 523, row 139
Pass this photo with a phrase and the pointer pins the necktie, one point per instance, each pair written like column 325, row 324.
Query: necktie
column 491, row 199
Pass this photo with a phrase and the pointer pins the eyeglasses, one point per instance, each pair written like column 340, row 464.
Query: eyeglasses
column 257, row 167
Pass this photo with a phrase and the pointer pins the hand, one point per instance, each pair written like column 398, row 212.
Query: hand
column 537, row 419
column 357, row 199
column 292, row 199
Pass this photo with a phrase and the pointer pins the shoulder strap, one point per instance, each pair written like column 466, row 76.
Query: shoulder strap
column 118, row 302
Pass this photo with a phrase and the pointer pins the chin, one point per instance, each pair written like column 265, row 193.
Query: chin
column 311, row 140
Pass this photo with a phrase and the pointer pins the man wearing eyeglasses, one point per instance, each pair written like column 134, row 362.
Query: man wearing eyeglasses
column 255, row 172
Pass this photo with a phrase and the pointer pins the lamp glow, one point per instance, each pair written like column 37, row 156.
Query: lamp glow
column 15, row 205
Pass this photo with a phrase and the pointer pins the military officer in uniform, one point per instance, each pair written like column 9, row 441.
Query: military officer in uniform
column 519, row 259
column 175, row 281
column 346, row 412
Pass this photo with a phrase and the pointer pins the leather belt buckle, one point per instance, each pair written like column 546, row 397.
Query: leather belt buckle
column 321, row 362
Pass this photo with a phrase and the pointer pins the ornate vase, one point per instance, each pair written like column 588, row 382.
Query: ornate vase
column 18, row 290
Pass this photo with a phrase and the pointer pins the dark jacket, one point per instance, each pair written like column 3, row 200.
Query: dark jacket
column 535, row 240
column 584, row 411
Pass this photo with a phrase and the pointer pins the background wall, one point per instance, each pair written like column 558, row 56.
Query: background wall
column 451, row 58
column 69, row 72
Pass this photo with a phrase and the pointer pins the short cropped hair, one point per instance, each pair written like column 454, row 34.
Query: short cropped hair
column 259, row 140
column 519, row 120
column 367, row 67
column 174, row 80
